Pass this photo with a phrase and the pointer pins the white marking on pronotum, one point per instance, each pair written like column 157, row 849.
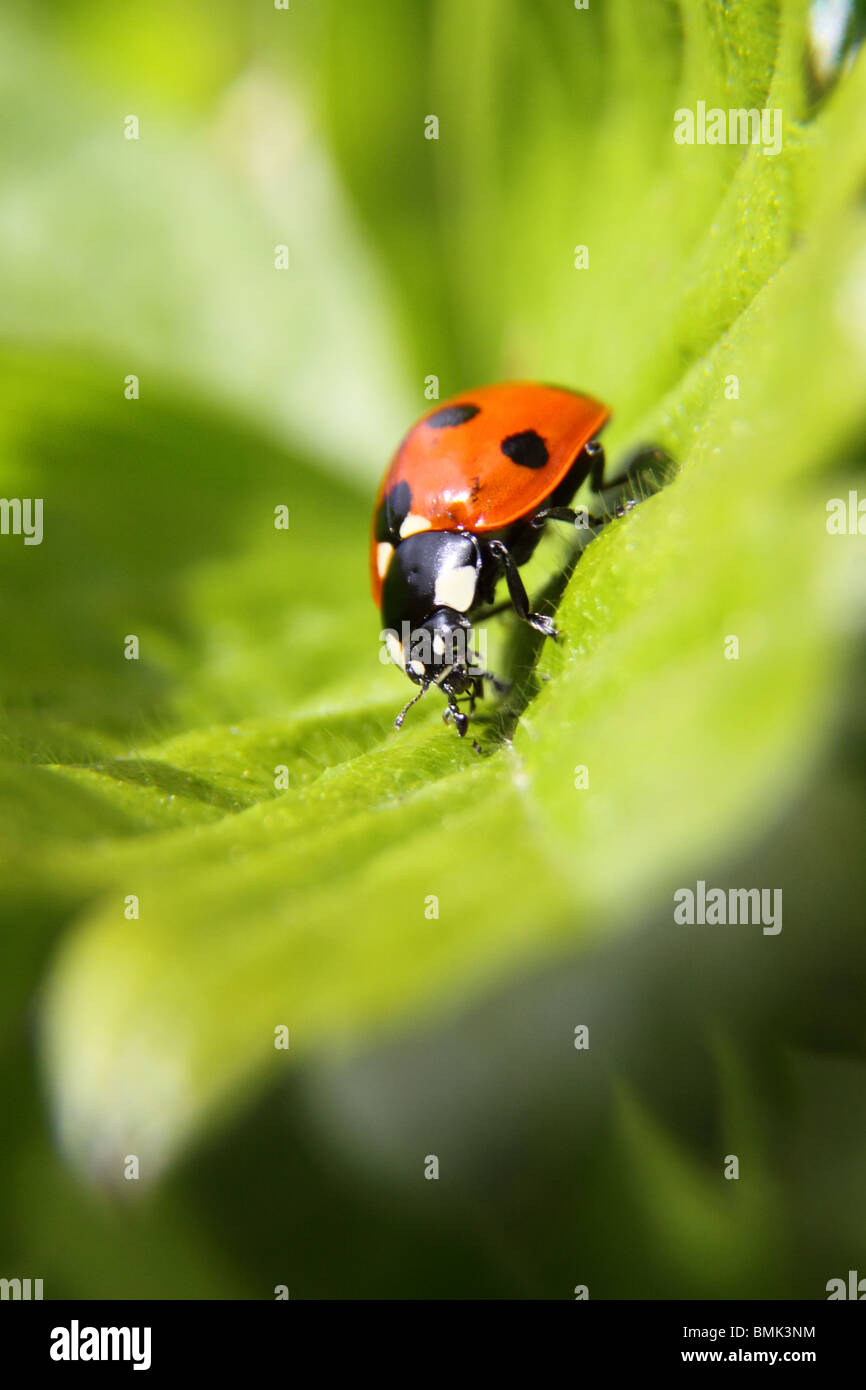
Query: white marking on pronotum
column 384, row 551
column 456, row 588
column 395, row 651
column 438, row 645
column 417, row 667
column 413, row 524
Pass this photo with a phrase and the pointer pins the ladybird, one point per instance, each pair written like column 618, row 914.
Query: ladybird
column 463, row 504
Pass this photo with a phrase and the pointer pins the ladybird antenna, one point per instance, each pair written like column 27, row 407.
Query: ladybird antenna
column 398, row 722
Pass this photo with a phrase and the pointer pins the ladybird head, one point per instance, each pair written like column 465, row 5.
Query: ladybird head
column 438, row 652
column 430, row 586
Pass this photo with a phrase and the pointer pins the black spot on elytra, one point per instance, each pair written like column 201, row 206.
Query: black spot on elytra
column 451, row 415
column 393, row 511
column 526, row 448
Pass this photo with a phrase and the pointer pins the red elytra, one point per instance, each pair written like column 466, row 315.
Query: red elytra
column 488, row 457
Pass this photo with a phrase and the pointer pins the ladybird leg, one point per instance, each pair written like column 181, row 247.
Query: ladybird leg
column 398, row 722
column 501, row 687
column 580, row 518
column 461, row 720
column 473, row 694
column 594, row 454
column 518, row 594
column 637, row 462
column 491, row 612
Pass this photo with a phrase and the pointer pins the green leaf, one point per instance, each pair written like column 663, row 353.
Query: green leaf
column 309, row 906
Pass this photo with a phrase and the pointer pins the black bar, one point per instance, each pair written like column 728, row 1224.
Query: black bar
column 220, row 1337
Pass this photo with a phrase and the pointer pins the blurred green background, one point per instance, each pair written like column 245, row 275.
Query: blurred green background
column 722, row 314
